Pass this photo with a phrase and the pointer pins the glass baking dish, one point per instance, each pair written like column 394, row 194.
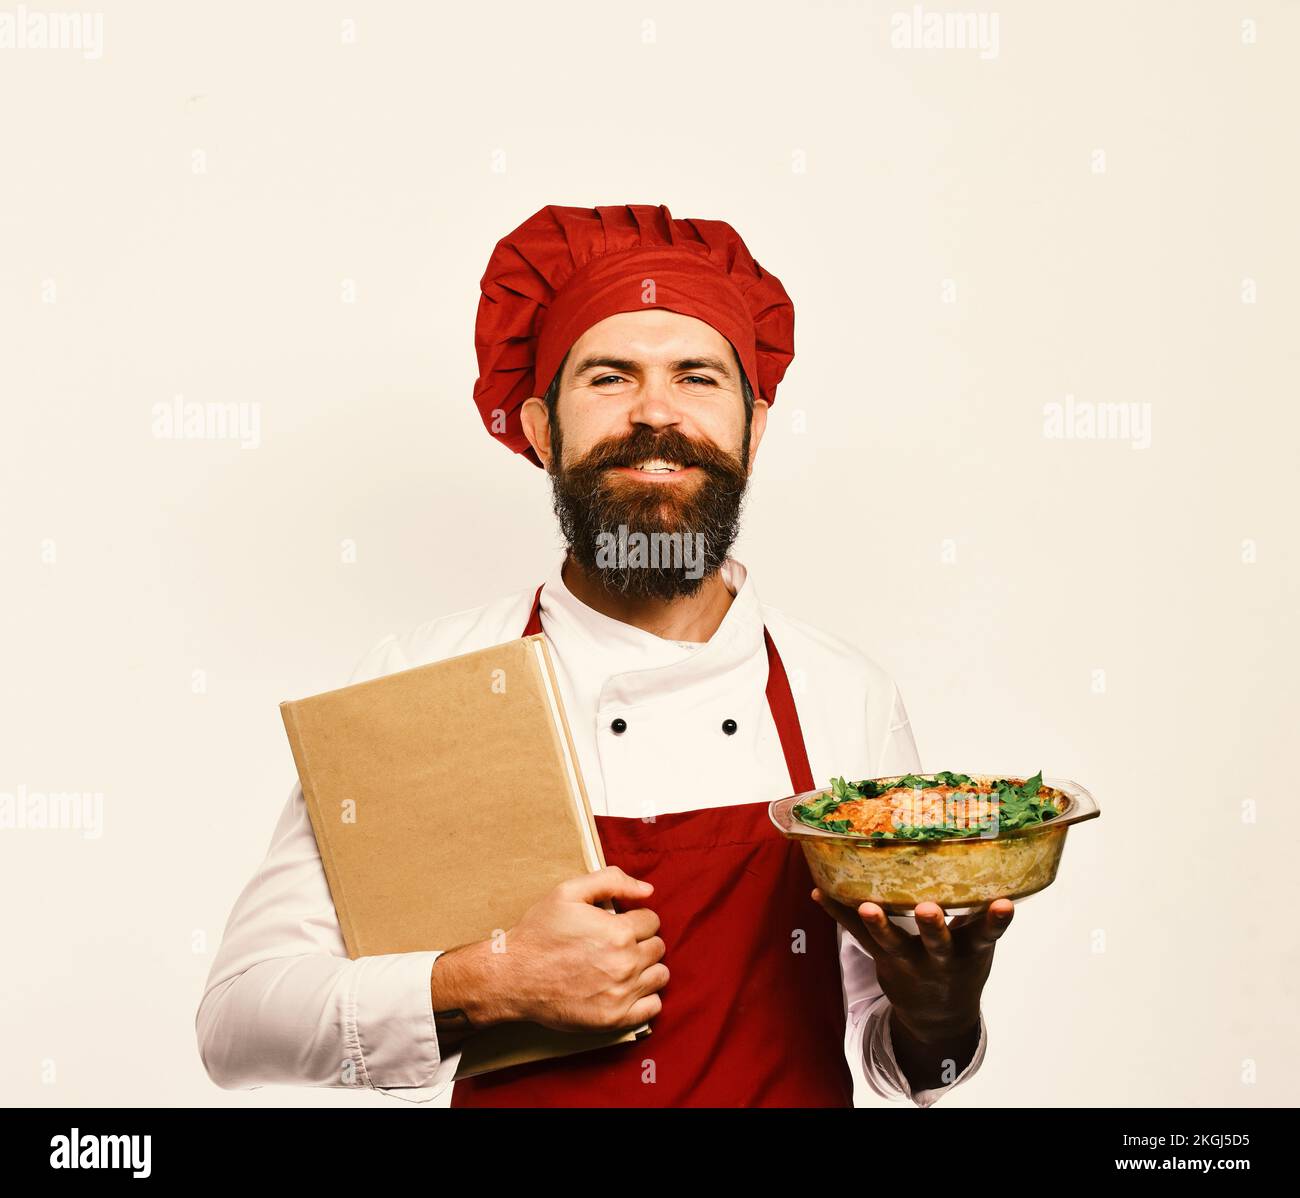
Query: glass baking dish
column 961, row 874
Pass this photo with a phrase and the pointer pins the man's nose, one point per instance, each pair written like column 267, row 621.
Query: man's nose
column 654, row 404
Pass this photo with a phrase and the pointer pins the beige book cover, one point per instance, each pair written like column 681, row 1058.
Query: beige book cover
column 446, row 800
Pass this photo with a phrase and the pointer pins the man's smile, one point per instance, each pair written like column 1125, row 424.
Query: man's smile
column 657, row 470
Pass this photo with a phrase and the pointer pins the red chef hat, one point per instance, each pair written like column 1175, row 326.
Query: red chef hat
column 565, row 269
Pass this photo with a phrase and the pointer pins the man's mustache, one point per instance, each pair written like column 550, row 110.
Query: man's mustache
column 668, row 446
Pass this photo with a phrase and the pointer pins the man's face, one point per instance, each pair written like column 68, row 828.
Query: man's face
column 650, row 437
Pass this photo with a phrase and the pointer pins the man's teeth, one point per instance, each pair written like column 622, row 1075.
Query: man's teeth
column 657, row 466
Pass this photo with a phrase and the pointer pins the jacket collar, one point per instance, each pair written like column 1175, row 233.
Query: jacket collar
column 645, row 666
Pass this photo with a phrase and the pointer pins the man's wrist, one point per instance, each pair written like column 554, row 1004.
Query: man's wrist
column 469, row 988
column 931, row 1030
column 937, row 1053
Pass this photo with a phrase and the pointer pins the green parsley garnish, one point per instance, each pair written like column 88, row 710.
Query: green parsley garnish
column 1018, row 806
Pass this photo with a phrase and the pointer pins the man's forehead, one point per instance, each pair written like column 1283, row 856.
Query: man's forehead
column 679, row 342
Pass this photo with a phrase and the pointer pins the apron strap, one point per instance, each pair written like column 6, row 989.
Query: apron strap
column 780, row 701
column 534, row 625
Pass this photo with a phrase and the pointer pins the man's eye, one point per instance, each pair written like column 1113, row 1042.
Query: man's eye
column 618, row 378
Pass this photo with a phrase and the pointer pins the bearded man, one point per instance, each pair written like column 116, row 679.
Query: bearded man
column 635, row 357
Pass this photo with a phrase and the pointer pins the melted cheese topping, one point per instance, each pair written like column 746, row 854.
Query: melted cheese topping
column 965, row 806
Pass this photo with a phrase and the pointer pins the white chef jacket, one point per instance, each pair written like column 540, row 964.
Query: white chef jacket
column 285, row 1005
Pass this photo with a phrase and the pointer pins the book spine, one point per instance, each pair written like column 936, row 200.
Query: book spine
column 316, row 814
column 577, row 788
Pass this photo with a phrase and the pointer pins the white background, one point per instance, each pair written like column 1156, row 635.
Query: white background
column 906, row 496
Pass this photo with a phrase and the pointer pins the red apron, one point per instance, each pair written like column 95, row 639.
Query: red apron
column 753, row 1012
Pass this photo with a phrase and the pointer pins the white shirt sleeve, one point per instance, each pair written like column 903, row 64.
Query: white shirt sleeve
column 285, row 1005
column 868, row 1044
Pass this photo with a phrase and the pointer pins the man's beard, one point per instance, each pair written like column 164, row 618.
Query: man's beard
column 690, row 525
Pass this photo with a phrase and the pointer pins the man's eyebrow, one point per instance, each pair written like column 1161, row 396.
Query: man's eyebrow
column 623, row 364
column 629, row 367
column 704, row 364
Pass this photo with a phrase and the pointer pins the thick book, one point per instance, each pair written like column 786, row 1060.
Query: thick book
column 446, row 800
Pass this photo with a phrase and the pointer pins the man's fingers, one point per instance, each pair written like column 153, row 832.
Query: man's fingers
column 643, row 922
column 882, row 935
column 934, row 932
column 644, row 1010
column 846, row 917
column 608, row 883
column 842, row 915
column 886, row 937
column 956, row 924
column 986, row 927
column 873, row 941
column 650, row 952
column 653, row 979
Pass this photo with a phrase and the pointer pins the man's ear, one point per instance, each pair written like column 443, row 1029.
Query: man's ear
column 537, row 428
column 757, row 426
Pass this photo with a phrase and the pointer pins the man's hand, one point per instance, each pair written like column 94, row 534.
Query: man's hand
column 933, row 980
column 567, row 964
